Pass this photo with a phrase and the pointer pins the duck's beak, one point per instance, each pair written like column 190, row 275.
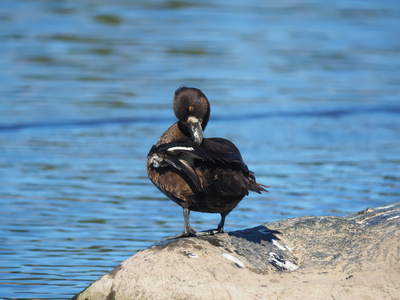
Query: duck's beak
column 195, row 130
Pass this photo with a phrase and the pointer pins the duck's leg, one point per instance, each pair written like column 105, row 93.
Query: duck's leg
column 220, row 228
column 221, row 224
column 187, row 229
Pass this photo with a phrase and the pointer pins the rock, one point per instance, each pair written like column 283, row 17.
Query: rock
column 303, row 258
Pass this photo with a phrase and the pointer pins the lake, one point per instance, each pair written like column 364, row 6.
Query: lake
column 309, row 91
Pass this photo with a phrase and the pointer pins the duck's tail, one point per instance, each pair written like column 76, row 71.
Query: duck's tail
column 255, row 186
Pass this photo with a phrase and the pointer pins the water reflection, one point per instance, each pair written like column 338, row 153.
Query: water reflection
column 308, row 92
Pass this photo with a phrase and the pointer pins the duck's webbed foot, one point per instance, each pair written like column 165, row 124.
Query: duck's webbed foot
column 211, row 232
column 188, row 231
column 220, row 228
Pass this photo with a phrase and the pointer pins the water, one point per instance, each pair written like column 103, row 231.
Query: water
column 309, row 92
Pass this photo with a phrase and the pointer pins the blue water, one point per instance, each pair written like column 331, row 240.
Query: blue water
column 308, row 90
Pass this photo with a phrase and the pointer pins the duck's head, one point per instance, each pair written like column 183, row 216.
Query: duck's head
column 192, row 109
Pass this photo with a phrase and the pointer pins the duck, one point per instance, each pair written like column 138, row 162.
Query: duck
column 199, row 174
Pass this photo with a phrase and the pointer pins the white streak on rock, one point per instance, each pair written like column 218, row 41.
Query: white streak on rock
column 385, row 207
column 234, row 259
column 280, row 263
column 192, row 255
column 395, row 217
column 287, row 247
column 275, row 242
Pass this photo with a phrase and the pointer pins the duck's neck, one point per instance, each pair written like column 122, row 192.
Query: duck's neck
column 173, row 133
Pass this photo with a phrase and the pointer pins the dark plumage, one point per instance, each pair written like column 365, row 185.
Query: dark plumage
column 205, row 175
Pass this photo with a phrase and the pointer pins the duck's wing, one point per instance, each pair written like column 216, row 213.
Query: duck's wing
column 180, row 156
column 183, row 155
column 213, row 150
column 224, row 152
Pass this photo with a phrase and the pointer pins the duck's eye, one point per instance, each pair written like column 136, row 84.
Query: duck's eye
column 191, row 108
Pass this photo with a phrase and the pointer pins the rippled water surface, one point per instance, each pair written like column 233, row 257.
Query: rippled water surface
column 308, row 90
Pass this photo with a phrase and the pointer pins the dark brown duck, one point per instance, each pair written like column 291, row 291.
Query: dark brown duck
column 199, row 174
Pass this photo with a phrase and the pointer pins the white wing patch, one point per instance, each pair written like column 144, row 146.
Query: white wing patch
column 187, row 164
column 156, row 160
column 180, row 148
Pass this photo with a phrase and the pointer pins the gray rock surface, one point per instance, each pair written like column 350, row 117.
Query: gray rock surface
column 303, row 258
